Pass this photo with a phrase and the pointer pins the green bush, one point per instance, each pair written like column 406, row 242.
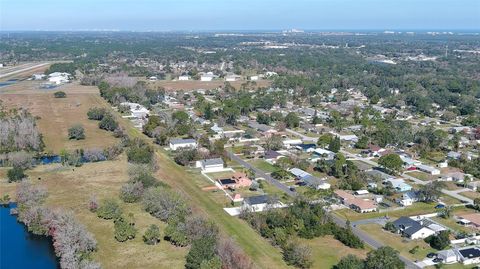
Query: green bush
column 76, row 132
column 152, row 235
column 60, row 94
column 109, row 210
column 108, row 123
column 124, row 230
column 16, row 174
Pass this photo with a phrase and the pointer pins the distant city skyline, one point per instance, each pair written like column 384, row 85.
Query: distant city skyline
column 212, row 15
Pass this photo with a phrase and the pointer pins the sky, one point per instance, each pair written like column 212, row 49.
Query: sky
column 198, row 15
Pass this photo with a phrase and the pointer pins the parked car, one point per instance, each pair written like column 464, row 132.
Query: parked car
column 439, row 206
column 431, row 255
column 437, row 260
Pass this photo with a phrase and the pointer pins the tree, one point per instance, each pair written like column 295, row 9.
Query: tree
column 292, row 120
column 152, row 235
column 325, row 140
column 362, row 143
column 350, row 262
column 16, row 174
column 213, row 263
column 392, row 162
column 335, row 144
column 298, row 255
column 164, row 204
column 140, row 153
column 384, row 258
column 274, row 142
column 76, row 132
column 131, row 192
column 108, row 123
column 440, row 241
column 389, row 226
column 60, row 94
column 109, row 210
column 96, row 113
column 431, row 191
column 124, row 230
column 203, row 249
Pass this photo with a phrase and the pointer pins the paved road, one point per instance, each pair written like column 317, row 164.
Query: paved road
column 339, row 221
column 260, row 173
column 303, row 137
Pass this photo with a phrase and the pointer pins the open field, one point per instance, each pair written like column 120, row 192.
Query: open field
column 23, row 70
column 470, row 194
column 171, row 85
column 264, row 166
column 397, row 242
column 327, row 251
column 71, row 189
column 421, row 175
column 415, row 209
column 56, row 115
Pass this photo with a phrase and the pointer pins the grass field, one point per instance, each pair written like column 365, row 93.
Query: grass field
column 327, row 251
column 415, row 209
column 470, row 194
column 71, row 189
column 397, row 242
column 421, row 175
column 264, row 166
column 56, row 115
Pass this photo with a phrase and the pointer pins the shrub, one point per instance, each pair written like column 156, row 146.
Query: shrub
column 94, row 155
column 139, row 152
column 142, row 173
column 16, row 174
column 109, row 210
column 203, row 249
column 60, row 94
column 108, row 123
column 112, row 152
column 175, row 233
column 96, row 113
column 124, row 230
column 76, row 132
column 152, row 235
column 164, row 204
column 131, row 192
column 297, row 255
column 185, row 156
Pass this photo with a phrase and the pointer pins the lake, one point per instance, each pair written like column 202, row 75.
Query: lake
column 20, row 249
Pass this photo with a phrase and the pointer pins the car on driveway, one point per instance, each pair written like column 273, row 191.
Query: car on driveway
column 431, row 255
column 439, row 206
column 437, row 260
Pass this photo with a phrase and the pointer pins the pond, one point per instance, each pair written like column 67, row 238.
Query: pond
column 20, row 249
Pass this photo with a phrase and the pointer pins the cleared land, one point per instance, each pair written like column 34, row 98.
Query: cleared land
column 171, row 85
column 72, row 188
column 56, row 115
column 415, row 209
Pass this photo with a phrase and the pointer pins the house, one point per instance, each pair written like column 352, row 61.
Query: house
column 59, row 78
column 408, row 198
column 238, row 180
column 454, row 155
column 137, row 110
column 153, row 78
column 412, row 229
column 473, row 185
column 184, row 77
column 357, row 204
column 324, row 154
column 258, row 203
column 361, row 192
column 449, row 256
column 272, row 156
column 210, row 165
column 254, row 78
column 309, row 180
column 288, row 143
column 398, row 184
column 207, row 77
column 232, row 77
column 472, row 220
column 349, row 138
column 38, row 76
column 428, row 169
column 182, row 143
column 469, row 255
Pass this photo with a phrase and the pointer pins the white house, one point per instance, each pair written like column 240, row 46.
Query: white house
column 412, row 229
column 428, row 169
column 254, row 78
column 210, row 165
column 59, row 78
column 207, row 77
column 184, row 77
column 182, row 143
column 232, row 77
column 137, row 110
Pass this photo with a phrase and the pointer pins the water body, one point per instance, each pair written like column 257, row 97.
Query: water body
column 20, row 249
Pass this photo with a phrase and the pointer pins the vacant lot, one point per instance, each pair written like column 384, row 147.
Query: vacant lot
column 415, row 209
column 470, row 194
column 71, row 189
column 56, row 115
column 171, row 85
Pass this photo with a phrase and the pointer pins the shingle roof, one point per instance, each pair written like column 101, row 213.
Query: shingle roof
column 255, row 200
column 407, row 225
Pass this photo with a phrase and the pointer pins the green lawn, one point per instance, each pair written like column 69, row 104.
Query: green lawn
column 264, row 166
column 415, row 209
column 397, row 242
column 421, row 175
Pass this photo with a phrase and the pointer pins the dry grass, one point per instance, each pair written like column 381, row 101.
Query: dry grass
column 56, row 115
column 470, row 194
column 71, row 189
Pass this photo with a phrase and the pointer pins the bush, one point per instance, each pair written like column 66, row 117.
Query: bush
column 96, row 113
column 140, row 153
column 108, row 123
column 440, row 241
column 94, row 155
column 176, row 233
column 124, row 230
column 59, row 94
column 298, row 255
column 152, row 235
column 76, row 132
column 164, row 204
column 142, row 173
column 109, row 210
column 16, row 174
column 185, row 156
column 202, row 249
column 131, row 192
column 347, row 237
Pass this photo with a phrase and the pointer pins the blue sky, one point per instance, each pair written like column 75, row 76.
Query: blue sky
column 161, row 15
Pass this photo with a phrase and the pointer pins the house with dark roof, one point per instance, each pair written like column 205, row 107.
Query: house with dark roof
column 412, row 229
column 272, row 156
